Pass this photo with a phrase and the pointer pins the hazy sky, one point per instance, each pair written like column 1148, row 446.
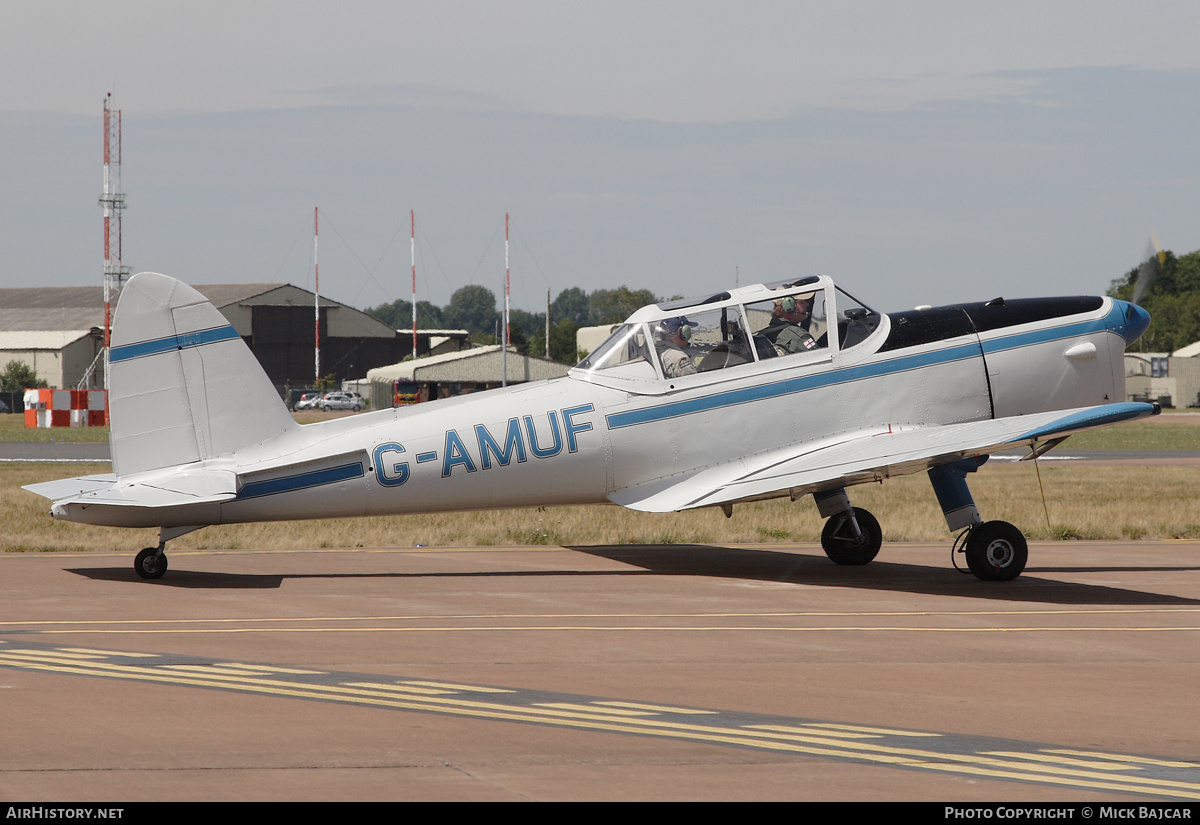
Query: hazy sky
column 918, row 152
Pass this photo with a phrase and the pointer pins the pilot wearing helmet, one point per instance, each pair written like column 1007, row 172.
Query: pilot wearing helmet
column 790, row 322
column 672, row 345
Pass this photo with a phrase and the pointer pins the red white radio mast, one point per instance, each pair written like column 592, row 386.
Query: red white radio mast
column 412, row 216
column 113, row 202
column 316, row 303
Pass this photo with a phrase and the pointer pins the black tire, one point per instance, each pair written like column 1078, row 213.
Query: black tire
column 996, row 551
column 839, row 543
column 149, row 564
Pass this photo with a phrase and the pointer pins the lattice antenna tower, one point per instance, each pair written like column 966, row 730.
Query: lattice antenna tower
column 112, row 201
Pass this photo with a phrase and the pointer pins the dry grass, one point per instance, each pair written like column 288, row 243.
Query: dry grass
column 1086, row 501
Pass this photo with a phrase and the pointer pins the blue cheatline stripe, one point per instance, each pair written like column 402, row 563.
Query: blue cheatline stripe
column 1108, row 414
column 894, row 365
column 791, row 385
column 300, row 481
column 172, row 342
column 1041, row 336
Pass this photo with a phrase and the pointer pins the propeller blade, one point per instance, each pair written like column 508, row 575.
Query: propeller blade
column 1154, row 257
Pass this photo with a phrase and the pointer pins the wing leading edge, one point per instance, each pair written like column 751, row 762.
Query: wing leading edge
column 870, row 455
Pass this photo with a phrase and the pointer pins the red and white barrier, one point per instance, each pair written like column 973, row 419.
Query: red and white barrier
column 65, row 408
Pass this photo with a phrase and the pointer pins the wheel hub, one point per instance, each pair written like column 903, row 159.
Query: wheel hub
column 999, row 553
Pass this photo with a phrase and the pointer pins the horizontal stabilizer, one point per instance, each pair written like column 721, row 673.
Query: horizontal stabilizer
column 68, row 487
column 864, row 456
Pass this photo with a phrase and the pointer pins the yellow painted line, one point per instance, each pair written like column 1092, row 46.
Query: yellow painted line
column 266, row 669
column 452, row 686
column 52, row 655
column 630, row 629
column 895, row 756
column 812, row 730
column 659, row 708
column 95, row 652
column 1093, row 764
column 1140, row 760
column 402, row 689
column 864, row 729
column 588, row 708
column 216, row 670
column 701, row 615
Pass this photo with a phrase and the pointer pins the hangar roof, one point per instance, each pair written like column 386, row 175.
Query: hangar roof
column 480, row 366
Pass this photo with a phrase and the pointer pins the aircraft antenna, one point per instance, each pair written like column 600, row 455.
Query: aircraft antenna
column 316, row 303
column 113, row 203
column 412, row 217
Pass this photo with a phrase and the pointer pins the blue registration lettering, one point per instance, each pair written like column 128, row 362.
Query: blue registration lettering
column 531, row 431
column 389, row 471
column 512, row 444
column 572, row 427
column 455, row 454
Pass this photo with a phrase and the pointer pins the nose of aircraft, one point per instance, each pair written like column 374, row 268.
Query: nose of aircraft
column 1129, row 321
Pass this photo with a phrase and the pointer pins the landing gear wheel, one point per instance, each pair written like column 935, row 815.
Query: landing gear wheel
column 841, row 545
column 150, row 564
column 996, row 551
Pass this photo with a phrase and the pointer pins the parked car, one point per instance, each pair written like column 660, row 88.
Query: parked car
column 342, row 401
column 309, row 401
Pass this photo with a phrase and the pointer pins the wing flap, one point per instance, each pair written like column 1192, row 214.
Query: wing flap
column 864, row 456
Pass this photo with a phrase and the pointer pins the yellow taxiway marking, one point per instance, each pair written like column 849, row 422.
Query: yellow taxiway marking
column 1140, row 760
column 592, row 708
column 1092, row 764
column 657, row 708
column 795, row 739
column 266, row 669
column 451, row 686
column 403, row 689
column 863, row 729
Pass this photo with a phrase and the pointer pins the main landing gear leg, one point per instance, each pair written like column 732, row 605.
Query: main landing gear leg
column 851, row 535
column 995, row 550
column 151, row 563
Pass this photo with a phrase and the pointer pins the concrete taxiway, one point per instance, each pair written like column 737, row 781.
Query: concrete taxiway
column 548, row 673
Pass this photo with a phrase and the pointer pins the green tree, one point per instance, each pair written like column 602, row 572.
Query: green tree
column 612, row 306
column 473, row 308
column 1172, row 299
column 18, row 376
column 571, row 304
column 398, row 314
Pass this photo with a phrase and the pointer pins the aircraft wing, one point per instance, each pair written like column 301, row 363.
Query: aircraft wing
column 870, row 455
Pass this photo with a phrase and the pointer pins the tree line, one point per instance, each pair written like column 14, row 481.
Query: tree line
column 1173, row 301
column 474, row 308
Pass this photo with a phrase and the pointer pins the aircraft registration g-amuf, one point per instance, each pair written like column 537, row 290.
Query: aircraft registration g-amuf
column 773, row 390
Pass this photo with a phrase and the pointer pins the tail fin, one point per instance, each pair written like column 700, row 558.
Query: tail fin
column 184, row 387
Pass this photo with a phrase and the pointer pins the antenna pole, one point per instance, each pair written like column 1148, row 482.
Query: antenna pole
column 507, row 333
column 412, row 217
column 316, row 303
column 113, row 203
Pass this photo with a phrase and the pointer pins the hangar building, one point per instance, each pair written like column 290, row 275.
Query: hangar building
column 59, row 330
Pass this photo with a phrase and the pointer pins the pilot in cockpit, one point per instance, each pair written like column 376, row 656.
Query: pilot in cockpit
column 789, row 327
column 672, row 346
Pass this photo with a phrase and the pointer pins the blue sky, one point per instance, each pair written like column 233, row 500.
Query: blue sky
column 920, row 153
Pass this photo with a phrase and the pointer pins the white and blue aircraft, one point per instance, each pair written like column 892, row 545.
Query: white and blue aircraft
column 772, row 390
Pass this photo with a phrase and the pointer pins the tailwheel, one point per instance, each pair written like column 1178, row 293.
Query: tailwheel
column 846, row 545
column 996, row 551
column 151, row 563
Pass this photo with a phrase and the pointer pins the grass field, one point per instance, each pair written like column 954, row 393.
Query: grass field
column 1164, row 432
column 1085, row 501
